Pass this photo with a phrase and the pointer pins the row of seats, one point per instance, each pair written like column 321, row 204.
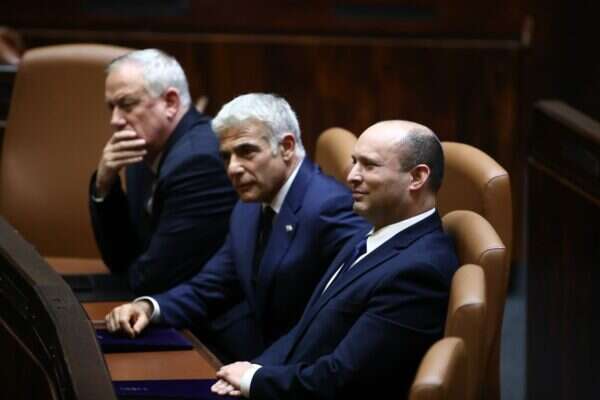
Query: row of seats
column 47, row 158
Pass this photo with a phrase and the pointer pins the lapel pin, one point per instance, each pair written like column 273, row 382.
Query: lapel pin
column 289, row 228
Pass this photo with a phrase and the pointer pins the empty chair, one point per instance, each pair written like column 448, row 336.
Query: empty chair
column 474, row 181
column 56, row 129
column 334, row 152
column 442, row 374
column 478, row 243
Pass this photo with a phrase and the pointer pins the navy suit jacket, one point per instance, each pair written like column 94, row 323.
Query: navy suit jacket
column 315, row 221
column 366, row 334
column 191, row 204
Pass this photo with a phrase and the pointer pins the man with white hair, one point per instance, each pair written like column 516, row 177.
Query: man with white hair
column 174, row 214
column 289, row 225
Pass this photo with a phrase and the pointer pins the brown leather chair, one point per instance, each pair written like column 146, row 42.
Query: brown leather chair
column 334, row 152
column 478, row 243
column 474, row 181
column 56, row 129
column 466, row 320
column 442, row 374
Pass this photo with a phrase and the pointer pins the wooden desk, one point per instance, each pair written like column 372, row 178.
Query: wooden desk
column 75, row 266
column 198, row 363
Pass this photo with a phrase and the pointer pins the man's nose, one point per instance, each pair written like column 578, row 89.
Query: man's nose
column 117, row 121
column 234, row 166
column 354, row 177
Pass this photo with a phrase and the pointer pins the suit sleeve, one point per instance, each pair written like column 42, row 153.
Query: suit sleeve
column 112, row 227
column 401, row 320
column 212, row 291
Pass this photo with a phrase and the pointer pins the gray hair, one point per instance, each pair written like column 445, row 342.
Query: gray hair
column 424, row 147
column 272, row 111
column 159, row 70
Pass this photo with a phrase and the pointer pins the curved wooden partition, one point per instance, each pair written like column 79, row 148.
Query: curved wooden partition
column 48, row 344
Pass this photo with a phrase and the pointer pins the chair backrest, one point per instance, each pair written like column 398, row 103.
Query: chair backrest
column 442, row 374
column 478, row 243
column 333, row 152
column 57, row 126
column 466, row 320
column 474, row 181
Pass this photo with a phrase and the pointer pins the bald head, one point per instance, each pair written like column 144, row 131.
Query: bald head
column 398, row 166
column 413, row 144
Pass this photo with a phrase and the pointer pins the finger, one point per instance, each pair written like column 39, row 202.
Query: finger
column 116, row 165
column 124, row 319
column 126, row 144
column 235, row 393
column 126, row 134
column 140, row 323
column 110, row 322
column 122, row 155
column 221, row 387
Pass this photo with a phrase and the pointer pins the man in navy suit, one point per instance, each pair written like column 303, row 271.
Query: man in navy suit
column 175, row 213
column 289, row 225
column 383, row 301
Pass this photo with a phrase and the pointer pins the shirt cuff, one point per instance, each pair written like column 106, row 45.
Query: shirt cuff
column 247, row 379
column 97, row 199
column 155, row 316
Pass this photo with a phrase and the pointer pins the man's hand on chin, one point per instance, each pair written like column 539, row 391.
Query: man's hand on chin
column 231, row 378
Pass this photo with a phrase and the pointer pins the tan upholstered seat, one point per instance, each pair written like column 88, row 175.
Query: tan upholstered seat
column 478, row 243
column 57, row 126
column 474, row 181
column 466, row 320
column 334, row 152
column 442, row 374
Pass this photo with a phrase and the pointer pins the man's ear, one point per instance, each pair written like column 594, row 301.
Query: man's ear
column 288, row 146
column 420, row 176
column 172, row 101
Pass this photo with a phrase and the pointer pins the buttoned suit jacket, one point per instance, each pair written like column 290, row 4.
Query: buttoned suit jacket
column 189, row 215
column 365, row 335
column 315, row 221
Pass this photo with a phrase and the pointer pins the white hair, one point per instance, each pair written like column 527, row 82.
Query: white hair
column 272, row 111
column 159, row 70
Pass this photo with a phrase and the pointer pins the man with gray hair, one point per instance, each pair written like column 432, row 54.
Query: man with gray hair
column 289, row 225
column 175, row 211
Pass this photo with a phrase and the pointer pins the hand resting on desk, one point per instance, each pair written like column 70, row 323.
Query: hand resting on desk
column 131, row 318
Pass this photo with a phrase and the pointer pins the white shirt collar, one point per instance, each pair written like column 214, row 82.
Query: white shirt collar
column 382, row 235
column 280, row 197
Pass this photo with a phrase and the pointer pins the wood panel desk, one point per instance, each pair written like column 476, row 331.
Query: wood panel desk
column 198, row 363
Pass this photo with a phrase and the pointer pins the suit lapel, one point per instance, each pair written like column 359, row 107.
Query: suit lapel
column 335, row 265
column 245, row 246
column 284, row 231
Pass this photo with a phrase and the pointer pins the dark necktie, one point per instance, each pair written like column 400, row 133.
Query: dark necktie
column 148, row 188
column 359, row 250
column 264, row 232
